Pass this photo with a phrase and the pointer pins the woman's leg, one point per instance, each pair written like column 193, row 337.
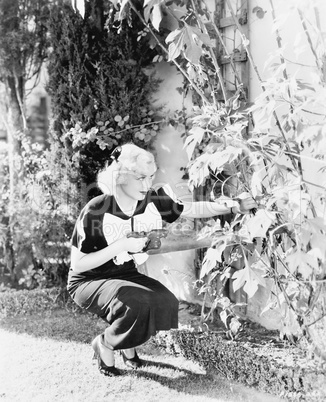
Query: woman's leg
column 135, row 309
column 105, row 364
column 89, row 296
column 106, row 354
column 129, row 353
column 130, row 358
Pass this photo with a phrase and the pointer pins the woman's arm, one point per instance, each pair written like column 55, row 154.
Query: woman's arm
column 81, row 262
column 207, row 209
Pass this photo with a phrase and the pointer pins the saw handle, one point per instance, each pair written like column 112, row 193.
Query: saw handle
column 154, row 236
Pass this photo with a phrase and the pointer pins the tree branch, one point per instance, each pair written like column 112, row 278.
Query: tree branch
column 192, row 83
column 217, row 67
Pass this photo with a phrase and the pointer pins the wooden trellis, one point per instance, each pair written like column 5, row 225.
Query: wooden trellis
column 234, row 66
column 232, row 54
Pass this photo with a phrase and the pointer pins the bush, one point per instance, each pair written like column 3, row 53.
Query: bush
column 43, row 219
column 22, row 302
column 267, row 365
column 100, row 97
column 100, row 91
column 37, row 301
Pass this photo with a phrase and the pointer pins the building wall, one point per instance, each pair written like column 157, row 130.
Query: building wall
column 298, row 55
column 299, row 62
column 176, row 270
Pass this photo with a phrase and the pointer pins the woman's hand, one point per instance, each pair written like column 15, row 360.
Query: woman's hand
column 135, row 244
column 246, row 204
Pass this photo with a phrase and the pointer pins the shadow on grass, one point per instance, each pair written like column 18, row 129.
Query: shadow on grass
column 201, row 384
column 66, row 326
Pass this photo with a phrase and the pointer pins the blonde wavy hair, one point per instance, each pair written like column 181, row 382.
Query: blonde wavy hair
column 131, row 158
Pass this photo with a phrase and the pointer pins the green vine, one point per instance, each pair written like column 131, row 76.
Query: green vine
column 261, row 152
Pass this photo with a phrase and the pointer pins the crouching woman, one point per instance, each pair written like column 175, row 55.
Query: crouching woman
column 104, row 279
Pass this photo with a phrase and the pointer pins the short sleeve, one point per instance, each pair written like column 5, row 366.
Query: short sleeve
column 168, row 206
column 88, row 232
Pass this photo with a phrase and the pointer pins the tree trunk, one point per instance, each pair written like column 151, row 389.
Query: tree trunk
column 8, row 251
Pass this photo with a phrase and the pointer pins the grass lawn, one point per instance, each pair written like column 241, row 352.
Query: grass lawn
column 49, row 358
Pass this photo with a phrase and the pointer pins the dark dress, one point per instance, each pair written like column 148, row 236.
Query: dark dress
column 134, row 305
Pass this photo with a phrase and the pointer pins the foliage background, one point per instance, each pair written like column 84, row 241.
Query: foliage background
column 232, row 144
column 101, row 96
column 260, row 146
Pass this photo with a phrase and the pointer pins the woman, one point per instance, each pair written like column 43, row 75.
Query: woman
column 103, row 277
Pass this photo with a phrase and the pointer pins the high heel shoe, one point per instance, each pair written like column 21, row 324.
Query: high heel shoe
column 133, row 362
column 109, row 371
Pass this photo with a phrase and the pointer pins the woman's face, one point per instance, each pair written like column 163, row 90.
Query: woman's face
column 137, row 183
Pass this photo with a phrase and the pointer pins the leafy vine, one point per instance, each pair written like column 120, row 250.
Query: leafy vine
column 262, row 152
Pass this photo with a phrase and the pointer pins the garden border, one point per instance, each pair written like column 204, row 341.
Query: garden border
column 255, row 359
column 268, row 367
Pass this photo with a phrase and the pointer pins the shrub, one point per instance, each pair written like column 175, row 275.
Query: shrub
column 22, row 302
column 42, row 220
column 100, row 91
column 37, row 301
column 264, row 364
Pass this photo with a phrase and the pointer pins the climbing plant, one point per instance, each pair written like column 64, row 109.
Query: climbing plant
column 259, row 151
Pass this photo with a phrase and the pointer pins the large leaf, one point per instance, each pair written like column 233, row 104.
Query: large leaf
column 201, row 36
column 188, row 40
column 248, row 278
column 291, row 198
column 191, row 49
column 220, row 158
column 258, row 225
column 156, row 17
column 198, row 171
column 192, row 45
column 212, row 257
column 195, row 137
column 304, row 263
column 277, row 173
column 256, row 182
column 173, row 35
column 175, row 39
column 152, row 11
column 316, row 225
column 318, row 243
column 224, row 317
column 177, row 11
